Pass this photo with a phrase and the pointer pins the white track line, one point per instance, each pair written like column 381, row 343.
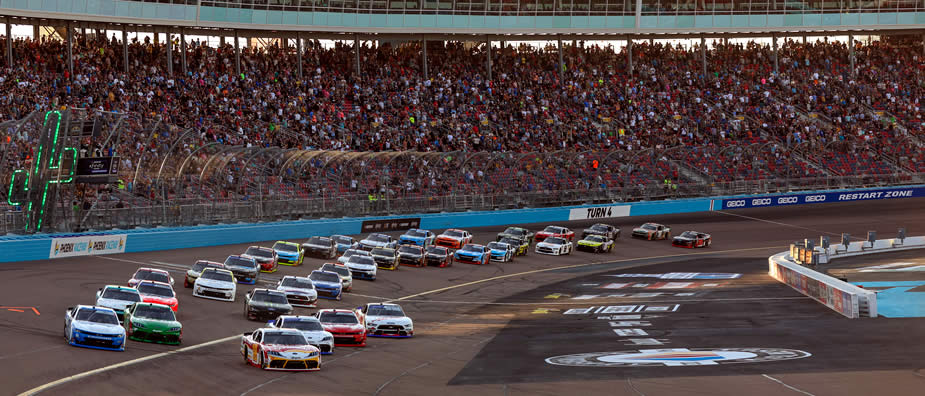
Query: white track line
column 123, row 364
column 775, row 222
column 213, row 342
column 787, row 386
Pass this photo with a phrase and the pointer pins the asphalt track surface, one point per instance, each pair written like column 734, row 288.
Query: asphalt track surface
column 489, row 329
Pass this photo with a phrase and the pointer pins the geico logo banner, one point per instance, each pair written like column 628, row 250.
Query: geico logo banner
column 815, row 198
column 787, row 200
column 735, row 204
column 761, row 201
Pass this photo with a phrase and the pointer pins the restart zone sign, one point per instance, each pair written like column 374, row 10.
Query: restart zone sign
column 802, row 199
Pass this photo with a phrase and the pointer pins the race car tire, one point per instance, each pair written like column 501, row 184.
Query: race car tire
column 709, row 241
column 186, row 283
column 263, row 362
column 339, row 296
column 246, row 360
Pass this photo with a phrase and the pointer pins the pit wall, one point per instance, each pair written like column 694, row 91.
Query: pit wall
column 842, row 297
column 44, row 246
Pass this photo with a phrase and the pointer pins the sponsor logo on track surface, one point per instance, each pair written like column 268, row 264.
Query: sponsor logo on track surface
column 677, row 357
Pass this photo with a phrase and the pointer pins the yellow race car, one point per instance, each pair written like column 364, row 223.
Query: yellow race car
column 521, row 246
column 289, row 253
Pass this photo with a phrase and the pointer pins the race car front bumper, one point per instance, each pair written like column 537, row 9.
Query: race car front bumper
column 327, row 292
column 349, row 339
column 391, row 331
column 301, row 300
column 97, row 341
column 587, row 248
column 214, row 294
column 412, row 261
column 283, row 364
column 144, row 335
column 468, row 259
column 289, row 260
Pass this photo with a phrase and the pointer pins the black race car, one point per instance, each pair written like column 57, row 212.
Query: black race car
column 322, row 247
column 438, row 256
column 516, row 233
column 412, row 255
column 265, row 304
column 605, row 230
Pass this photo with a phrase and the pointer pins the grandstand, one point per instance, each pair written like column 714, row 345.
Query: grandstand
column 411, row 116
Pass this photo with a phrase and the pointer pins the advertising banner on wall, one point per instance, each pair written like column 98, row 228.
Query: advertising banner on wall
column 390, row 224
column 821, row 197
column 599, row 212
column 839, row 300
column 87, row 245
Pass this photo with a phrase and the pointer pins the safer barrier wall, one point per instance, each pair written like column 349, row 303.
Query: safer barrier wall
column 37, row 247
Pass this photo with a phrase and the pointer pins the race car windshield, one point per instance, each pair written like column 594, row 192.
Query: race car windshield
column 385, row 310
column 514, row 231
column 324, row 277
column 471, row 248
column 258, row 252
column 342, row 240
column 217, row 275
column 599, row 227
column 338, row 317
column 362, row 260
column 304, row 325
column 649, row 226
column 121, row 295
column 509, row 241
column 201, row 265
column 152, row 275
column 453, row 233
column 378, row 238
column 240, row 262
column 416, row 233
column 318, row 241
column 91, row 315
column 267, row 297
column 596, row 238
column 354, row 252
column 283, row 339
column 410, row 250
column 553, row 230
column 555, row 241
column 383, row 252
column 155, row 290
column 440, row 251
column 497, row 246
column 155, row 313
column 297, row 283
column 342, row 271
column 689, row 234
column 285, row 247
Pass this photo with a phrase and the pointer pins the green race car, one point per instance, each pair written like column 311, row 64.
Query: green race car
column 596, row 244
column 150, row 322
column 521, row 246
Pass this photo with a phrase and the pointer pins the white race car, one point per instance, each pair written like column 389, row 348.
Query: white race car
column 280, row 349
column 118, row 298
column 386, row 320
column 350, row 253
column 300, row 292
column 310, row 327
column 377, row 240
column 555, row 246
column 94, row 327
column 362, row 267
column 215, row 283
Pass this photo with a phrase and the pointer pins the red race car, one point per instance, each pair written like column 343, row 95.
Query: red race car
column 347, row 327
column 453, row 238
column 692, row 239
column 266, row 258
column 555, row 231
column 159, row 293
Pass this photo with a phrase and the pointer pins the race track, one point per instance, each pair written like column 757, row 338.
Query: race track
column 490, row 329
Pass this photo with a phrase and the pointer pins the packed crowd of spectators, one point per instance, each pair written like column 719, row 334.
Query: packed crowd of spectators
column 530, row 127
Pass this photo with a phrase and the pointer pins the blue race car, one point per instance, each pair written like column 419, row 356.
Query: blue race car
column 344, row 242
column 327, row 284
column 501, row 251
column 473, row 254
column 245, row 269
column 288, row 253
column 414, row 236
column 94, row 327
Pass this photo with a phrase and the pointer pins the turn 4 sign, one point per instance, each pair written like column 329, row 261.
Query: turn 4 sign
column 599, row 212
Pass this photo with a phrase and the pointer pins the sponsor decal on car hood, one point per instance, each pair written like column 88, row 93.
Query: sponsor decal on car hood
column 100, row 328
column 118, row 305
column 214, row 283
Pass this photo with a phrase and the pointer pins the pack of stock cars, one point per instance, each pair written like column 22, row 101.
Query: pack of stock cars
column 145, row 309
